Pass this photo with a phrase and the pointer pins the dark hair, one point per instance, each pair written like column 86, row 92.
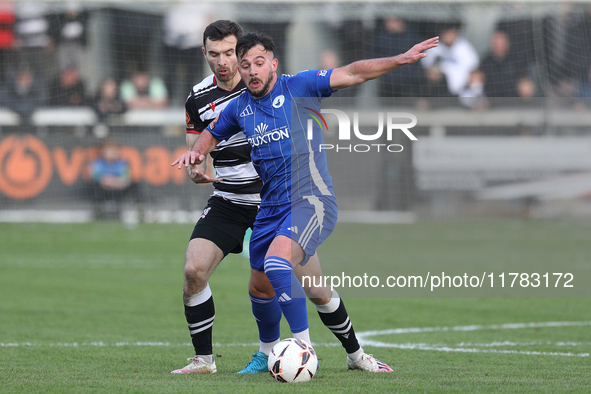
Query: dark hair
column 253, row 38
column 221, row 29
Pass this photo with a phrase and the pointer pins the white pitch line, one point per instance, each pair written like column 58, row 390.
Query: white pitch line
column 510, row 343
column 445, row 348
column 422, row 346
column 512, row 326
column 364, row 341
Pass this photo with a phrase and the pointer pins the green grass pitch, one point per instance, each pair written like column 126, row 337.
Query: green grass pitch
column 98, row 308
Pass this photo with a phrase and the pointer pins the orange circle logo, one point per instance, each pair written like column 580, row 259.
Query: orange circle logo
column 25, row 166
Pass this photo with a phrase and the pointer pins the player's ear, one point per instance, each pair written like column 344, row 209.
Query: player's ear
column 203, row 50
column 274, row 64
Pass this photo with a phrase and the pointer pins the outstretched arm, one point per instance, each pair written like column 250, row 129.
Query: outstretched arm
column 364, row 70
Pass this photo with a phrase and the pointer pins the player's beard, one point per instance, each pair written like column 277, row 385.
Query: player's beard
column 264, row 90
column 228, row 77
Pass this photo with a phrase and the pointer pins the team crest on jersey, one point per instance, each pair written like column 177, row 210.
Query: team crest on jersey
column 322, row 73
column 278, row 102
column 247, row 111
column 205, row 212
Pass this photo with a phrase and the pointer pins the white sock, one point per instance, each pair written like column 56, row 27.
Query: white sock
column 207, row 357
column 196, row 299
column 355, row 356
column 332, row 305
column 304, row 336
column 266, row 347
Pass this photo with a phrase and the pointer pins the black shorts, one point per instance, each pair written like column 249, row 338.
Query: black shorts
column 225, row 223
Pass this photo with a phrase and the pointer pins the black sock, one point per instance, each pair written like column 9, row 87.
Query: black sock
column 338, row 322
column 200, row 319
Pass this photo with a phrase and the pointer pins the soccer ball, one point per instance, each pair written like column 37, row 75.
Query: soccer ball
column 292, row 360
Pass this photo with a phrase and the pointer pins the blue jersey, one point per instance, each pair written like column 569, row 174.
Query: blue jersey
column 101, row 167
column 290, row 164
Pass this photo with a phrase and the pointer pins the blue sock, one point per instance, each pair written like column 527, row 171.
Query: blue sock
column 268, row 316
column 289, row 292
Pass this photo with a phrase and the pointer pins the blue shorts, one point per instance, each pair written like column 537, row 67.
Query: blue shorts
column 308, row 221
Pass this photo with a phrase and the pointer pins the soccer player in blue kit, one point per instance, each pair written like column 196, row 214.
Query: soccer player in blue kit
column 230, row 211
column 298, row 209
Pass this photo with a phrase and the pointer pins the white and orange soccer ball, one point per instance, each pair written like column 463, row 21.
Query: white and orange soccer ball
column 292, row 360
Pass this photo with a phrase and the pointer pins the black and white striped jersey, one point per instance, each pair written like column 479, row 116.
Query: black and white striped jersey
column 231, row 158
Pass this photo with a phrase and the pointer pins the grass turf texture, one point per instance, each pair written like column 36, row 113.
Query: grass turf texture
column 117, row 295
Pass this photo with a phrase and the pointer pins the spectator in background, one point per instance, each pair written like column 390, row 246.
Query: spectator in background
column 396, row 37
column 456, row 56
column 526, row 88
column 111, row 181
column 23, row 92
column 434, row 86
column 526, row 92
column 143, row 91
column 183, row 27
column 522, row 34
column 68, row 88
column 7, row 19
column 69, row 34
column 501, row 68
column 32, row 41
column 107, row 101
column 473, row 95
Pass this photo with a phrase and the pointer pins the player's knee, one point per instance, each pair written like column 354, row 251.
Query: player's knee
column 262, row 291
column 195, row 272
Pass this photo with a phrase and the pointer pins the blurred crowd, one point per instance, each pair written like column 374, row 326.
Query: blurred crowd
column 42, row 55
column 521, row 62
column 42, row 58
